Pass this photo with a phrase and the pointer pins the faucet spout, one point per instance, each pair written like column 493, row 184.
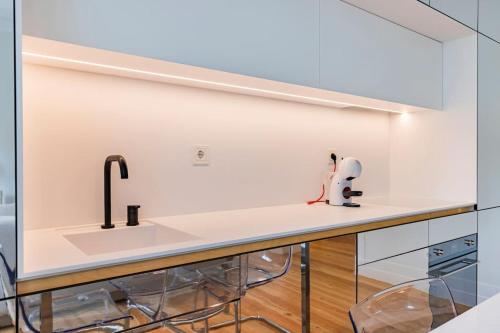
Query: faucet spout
column 107, row 185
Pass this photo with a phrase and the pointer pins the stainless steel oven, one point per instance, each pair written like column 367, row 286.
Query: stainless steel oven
column 455, row 262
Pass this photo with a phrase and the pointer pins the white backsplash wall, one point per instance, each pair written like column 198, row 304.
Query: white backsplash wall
column 263, row 152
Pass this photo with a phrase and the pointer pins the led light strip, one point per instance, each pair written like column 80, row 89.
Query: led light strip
column 313, row 100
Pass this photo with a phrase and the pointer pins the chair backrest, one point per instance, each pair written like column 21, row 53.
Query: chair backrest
column 413, row 307
column 265, row 266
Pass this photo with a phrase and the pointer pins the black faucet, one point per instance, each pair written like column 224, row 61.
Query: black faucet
column 107, row 185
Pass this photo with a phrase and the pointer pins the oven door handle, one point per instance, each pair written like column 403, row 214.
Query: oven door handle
column 452, row 267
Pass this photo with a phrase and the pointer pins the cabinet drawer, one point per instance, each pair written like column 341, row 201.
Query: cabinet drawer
column 383, row 243
column 376, row 276
column 450, row 227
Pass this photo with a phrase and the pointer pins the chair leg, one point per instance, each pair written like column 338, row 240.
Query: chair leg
column 239, row 319
column 206, row 326
column 205, row 300
column 172, row 327
column 237, row 316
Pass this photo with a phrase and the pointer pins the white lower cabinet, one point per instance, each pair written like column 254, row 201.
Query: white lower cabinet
column 383, row 273
column 379, row 244
column 489, row 253
column 399, row 254
column 383, row 243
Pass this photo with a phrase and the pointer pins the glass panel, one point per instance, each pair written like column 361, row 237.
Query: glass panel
column 7, row 152
column 172, row 297
column 271, row 297
column 333, row 283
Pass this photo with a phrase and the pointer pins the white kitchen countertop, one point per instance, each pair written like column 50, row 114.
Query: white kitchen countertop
column 482, row 318
column 47, row 251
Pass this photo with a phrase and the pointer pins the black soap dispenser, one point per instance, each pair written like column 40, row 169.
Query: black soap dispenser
column 133, row 215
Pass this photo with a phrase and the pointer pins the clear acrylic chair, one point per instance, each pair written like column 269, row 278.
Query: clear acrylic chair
column 75, row 311
column 261, row 268
column 184, row 295
column 413, row 307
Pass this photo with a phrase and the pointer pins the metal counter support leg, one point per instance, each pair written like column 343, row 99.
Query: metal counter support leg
column 305, row 282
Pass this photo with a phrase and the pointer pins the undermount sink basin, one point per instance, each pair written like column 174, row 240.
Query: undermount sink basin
column 127, row 238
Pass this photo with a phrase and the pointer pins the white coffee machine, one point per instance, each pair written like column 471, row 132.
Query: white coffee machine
column 340, row 192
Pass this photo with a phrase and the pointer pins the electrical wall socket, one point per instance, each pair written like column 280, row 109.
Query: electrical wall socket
column 201, row 155
column 333, row 151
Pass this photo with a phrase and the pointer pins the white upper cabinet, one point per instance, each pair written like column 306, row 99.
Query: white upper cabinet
column 464, row 11
column 315, row 43
column 271, row 39
column 489, row 18
column 7, row 152
column 488, row 123
column 363, row 54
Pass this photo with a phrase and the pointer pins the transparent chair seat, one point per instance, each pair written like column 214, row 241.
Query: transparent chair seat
column 414, row 307
column 265, row 266
column 190, row 303
column 76, row 313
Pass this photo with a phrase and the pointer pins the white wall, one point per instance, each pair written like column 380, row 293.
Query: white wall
column 433, row 154
column 263, row 152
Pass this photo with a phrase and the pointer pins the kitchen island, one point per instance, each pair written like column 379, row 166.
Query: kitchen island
column 482, row 318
